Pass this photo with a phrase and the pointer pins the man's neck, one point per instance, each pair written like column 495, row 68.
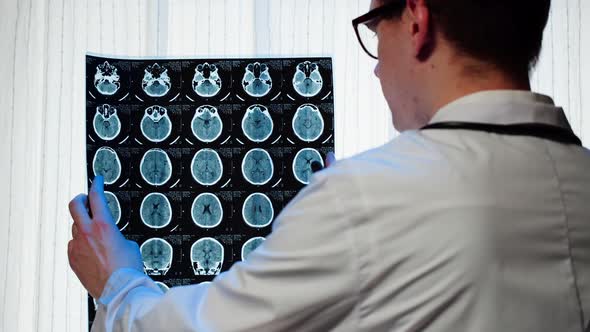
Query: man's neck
column 469, row 83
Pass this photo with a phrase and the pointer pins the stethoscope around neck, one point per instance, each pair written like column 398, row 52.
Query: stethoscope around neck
column 539, row 130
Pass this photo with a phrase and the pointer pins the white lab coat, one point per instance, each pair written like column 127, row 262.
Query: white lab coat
column 439, row 230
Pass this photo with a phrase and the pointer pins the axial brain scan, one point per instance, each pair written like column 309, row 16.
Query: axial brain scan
column 206, row 81
column 250, row 245
column 156, row 82
column 156, row 167
column 106, row 163
column 257, row 124
column 114, row 206
column 308, row 123
column 106, row 79
column 307, row 80
column 155, row 124
column 257, row 210
column 257, row 81
column 207, row 167
column 207, row 256
column 157, row 256
column 200, row 155
column 106, row 122
column 257, row 167
column 155, row 210
column 207, row 124
column 207, row 211
column 302, row 164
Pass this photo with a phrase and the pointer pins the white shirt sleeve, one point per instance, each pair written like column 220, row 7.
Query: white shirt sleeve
column 305, row 276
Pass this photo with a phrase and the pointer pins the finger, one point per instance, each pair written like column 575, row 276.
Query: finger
column 98, row 202
column 71, row 255
column 79, row 212
column 70, row 251
column 330, row 159
column 74, row 231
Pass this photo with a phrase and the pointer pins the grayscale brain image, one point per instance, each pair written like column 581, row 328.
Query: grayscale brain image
column 257, row 167
column 207, row 125
column 155, row 124
column 206, row 81
column 114, row 206
column 106, row 162
column 207, row 167
column 106, row 122
column 106, row 79
column 257, row 210
column 257, row 123
column 302, row 164
column 155, row 210
column 308, row 123
column 307, row 80
column 156, row 82
column 200, row 156
column 207, row 211
column 207, row 256
column 157, row 256
column 250, row 245
column 156, row 167
column 257, row 81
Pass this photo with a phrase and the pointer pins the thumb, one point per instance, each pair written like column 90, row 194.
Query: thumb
column 98, row 201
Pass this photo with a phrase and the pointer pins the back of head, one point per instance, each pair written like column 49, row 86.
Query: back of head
column 435, row 51
column 507, row 34
column 504, row 33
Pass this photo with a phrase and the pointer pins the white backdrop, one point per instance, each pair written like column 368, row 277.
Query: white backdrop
column 42, row 107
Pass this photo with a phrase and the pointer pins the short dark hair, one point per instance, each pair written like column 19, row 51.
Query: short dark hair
column 504, row 33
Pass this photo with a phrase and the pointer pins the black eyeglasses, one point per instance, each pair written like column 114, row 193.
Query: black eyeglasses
column 365, row 26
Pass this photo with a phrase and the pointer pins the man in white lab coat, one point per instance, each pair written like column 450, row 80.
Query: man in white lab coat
column 479, row 222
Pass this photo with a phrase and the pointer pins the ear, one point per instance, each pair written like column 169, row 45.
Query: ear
column 420, row 28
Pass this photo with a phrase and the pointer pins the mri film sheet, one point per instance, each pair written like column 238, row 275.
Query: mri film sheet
column 199, row 156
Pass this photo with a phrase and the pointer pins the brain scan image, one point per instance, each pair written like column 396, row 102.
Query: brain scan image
column 207, row 167
column 114, row 206
column 199, row 156
column 302, row 164
column 106, row 163
column 257, row 210
column 307, row 80
column 106, row 79
column 106, row 122
column 257, row 124
column 155, row 124
column 157, row 256
column 308, row 123
column 156, row 82
column 207, row 211
column 156, row 167
column 257, row 167
column 207, row 256
column 162, row 286
column 250, row 245
column 207, row 124
column 206, row 81
column 257, row 81
column 155, row 210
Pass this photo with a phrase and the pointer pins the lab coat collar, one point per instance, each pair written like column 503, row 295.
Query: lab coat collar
column 503, row 107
